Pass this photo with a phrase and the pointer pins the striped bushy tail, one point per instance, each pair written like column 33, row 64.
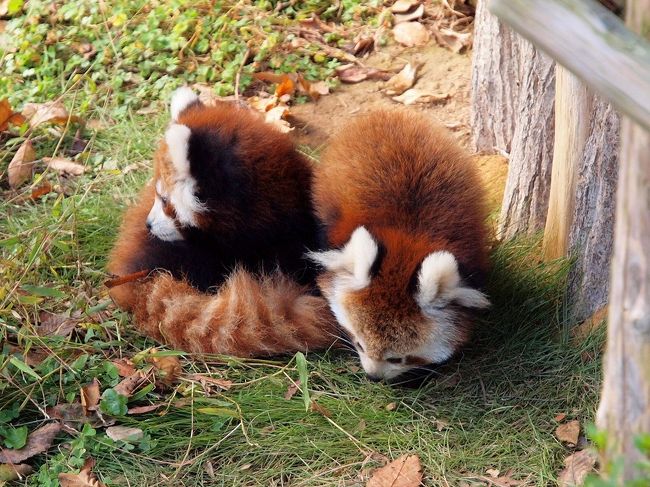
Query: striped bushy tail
column 248, row 315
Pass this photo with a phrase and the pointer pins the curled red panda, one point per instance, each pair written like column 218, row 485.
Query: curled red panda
column 403, row 209
column 229, row 217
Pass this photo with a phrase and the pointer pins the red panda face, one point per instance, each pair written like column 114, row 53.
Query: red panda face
column 393, row 325
column 176, row 206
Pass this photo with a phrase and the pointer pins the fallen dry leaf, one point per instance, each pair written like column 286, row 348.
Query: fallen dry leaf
column 455, row 41
column 407, row 17
column 73, row 416
column 38, row 442
column 125, row 367
column 391, row 406
column 411, row 34
column 576, row 468
column 275, row 116
column 208, row 382
column 560, row 417
column 8, row 116
column 569, row 432
column 90, row 396
column 207, row 95
column 402, row 81
column 419, row 97
column 292, row 389
column 124, row 433
column 85, row 478
column 363, row 44
column 132, row 383
column 20, row 167
column 167, row 368
column 63, row 166
column 41, row 190
column 10, row 472
column 315, row 90
column 53, row 111
column 317, row 408
column 285, row 87
column 403, row 6
column 144, row 409
column 406, row 471
column 148, row 110
column 55, row 324
column 355, row 74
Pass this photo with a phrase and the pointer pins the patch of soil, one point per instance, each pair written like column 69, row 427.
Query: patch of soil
column 441, row 71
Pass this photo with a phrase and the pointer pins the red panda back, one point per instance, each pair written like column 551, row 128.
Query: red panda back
column 397, row 170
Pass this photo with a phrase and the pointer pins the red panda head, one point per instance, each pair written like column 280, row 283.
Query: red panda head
column 176, row 206
column 402, row 303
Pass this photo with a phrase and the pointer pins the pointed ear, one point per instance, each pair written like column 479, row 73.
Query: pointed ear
column 182, row 98
column 354, row 259
column 439, row 284
column 177, row 138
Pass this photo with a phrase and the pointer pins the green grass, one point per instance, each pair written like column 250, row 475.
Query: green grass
column 493, row 407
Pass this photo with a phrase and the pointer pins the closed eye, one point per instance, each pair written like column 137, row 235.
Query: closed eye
column 359, row 347
column 394, row 360
column 163, row 199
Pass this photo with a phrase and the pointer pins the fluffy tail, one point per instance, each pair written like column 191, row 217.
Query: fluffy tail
column 248, row 316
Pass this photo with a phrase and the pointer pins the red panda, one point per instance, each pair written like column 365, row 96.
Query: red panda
column 403, row 210
column 229, row 217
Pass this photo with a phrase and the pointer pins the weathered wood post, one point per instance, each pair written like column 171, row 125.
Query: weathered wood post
column 624, row 410
column 572, row 119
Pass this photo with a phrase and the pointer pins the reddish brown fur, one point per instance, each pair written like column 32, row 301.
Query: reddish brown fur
column 248, row 314
column 407, row 181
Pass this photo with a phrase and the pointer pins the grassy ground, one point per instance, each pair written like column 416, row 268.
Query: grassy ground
column 493, row 407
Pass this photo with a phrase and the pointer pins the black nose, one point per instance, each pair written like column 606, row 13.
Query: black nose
column 373, row 378
column 148, row 224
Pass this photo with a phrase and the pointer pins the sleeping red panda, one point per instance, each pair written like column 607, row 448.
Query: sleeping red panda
column 229, row 217
column 403, row 209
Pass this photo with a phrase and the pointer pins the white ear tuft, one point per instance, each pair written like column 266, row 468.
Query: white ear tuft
column 439, row 284
column 177, row 138
column 355, row 258
column 182, row 98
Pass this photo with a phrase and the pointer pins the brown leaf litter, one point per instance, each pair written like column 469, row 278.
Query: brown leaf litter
column 405, row 471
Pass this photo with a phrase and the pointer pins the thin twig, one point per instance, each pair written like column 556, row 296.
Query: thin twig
column 238, row 75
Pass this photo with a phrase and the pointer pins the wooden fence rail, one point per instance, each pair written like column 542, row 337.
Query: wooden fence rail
column 591, row 42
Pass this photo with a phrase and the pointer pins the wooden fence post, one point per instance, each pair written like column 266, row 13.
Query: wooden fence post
column 624, row 410
column 573, row 110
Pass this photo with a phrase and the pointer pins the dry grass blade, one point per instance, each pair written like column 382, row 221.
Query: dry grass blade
column 38, row 442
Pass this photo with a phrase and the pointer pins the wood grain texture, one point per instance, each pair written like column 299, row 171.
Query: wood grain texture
column 591, row 239
column 495, row 83
column 624, row 410
column 592, row 43
column 573, row 110
column 525, row 202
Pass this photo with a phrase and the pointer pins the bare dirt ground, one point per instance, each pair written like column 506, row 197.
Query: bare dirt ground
column 441, row 71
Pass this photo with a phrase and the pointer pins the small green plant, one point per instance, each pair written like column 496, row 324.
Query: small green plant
column 612, row 473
